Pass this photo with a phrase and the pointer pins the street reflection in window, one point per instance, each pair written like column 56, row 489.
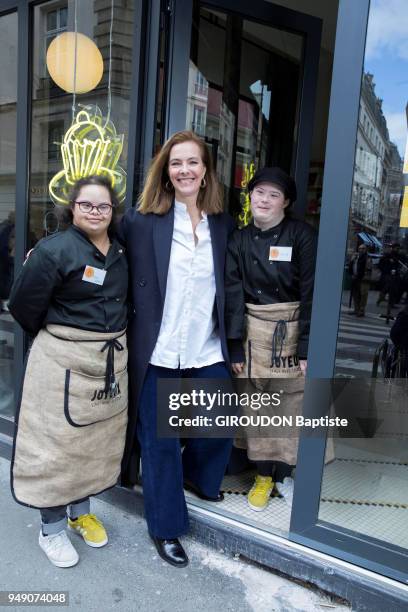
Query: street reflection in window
column 365, row 487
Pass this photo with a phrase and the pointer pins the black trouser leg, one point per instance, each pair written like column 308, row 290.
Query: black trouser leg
column 265, row 468
column 282, row 470
column 53, row 520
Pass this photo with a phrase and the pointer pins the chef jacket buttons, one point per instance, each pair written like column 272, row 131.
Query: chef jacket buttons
column 117, row 299
column 107, row 328
column 275, row 235
column 142, row 282
column 259, row 291
column 255, row 261
column 256, row 237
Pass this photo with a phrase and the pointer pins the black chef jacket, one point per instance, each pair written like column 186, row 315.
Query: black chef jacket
column 50, row 287
column 252, row 277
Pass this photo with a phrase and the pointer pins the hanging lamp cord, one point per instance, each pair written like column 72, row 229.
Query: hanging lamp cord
column 110, row 67
column 75, row 56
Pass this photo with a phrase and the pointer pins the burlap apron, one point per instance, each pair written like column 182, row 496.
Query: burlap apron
column 73, row 415
column 272, row 332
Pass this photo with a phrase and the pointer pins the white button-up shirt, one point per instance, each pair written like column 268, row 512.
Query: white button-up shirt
column 187, row 337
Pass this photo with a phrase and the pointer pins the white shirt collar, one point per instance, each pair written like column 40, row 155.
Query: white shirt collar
column 182, row 208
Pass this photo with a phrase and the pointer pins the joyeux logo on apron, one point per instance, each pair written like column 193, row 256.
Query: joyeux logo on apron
column 102, row 394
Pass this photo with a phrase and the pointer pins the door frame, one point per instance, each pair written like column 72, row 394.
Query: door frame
column 270, row 14
column 305, row 527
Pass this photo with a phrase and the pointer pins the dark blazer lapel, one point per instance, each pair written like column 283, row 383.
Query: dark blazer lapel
column 218, row 242
column 162, row 237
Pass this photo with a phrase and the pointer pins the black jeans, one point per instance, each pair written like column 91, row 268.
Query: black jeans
column 277, row 469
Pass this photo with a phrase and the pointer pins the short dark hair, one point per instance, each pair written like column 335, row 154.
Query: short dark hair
column 101, row 181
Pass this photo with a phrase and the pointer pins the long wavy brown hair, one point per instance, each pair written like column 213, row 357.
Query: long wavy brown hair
column 158, row 192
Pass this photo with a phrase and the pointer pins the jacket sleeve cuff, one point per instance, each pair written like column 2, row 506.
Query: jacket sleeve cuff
column 236, row 351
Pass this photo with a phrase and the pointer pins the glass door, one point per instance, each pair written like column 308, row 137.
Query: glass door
column 249, row 88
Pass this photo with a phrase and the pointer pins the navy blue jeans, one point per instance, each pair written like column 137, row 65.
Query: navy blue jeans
column 203, row 461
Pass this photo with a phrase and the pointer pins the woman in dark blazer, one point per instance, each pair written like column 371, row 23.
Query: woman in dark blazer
column 176, row 243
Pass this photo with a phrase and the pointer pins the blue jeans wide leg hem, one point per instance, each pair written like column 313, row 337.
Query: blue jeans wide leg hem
column 162, row 473
column 164, row 467
column 205, row 460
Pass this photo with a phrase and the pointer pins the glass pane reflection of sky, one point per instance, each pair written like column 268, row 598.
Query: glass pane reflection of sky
column 387, row 59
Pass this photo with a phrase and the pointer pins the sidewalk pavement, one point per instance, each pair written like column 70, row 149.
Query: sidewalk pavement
column 127, row 574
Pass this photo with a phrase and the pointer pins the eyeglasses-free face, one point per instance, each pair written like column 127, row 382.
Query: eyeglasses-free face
column 92, row 211
column 186, row 170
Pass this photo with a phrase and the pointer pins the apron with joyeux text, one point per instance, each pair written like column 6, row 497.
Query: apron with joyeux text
column 272, row 332
column 73, row 415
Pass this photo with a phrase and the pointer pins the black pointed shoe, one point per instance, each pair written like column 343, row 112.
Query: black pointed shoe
column 171, row 551
column 190, row 487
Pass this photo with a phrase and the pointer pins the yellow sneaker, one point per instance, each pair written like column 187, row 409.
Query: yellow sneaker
column 90, row 528
column 259, row 494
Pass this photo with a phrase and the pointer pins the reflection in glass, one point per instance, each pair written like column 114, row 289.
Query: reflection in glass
column 52, row 107
column 8, row 125
column 235, row 65
column 243, row 99
column 365, row 489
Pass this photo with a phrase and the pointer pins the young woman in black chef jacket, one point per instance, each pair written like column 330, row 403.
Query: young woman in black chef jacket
column 71, row 294
column 269, row 288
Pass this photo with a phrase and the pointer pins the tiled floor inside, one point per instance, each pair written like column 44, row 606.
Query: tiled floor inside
column 275, row 518
column 365, row 489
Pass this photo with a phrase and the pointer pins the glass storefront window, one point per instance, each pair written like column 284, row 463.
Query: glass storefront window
column 53, row 108
column 243, row 95
column 255, row 120
column 8, row 127
column 365, row 488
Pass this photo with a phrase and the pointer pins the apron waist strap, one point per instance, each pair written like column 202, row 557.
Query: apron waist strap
column 278, row 339
column 110, row 380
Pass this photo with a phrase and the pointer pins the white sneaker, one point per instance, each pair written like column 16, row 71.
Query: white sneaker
column 58, row 549
column 285, row 489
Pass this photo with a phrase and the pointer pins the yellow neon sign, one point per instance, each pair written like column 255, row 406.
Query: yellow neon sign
column 246, row 215
column 90, row 146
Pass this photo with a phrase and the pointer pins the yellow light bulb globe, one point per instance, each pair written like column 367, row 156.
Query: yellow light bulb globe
column 80, row 76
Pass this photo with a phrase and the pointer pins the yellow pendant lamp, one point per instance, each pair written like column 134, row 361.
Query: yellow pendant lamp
column 74, row 62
